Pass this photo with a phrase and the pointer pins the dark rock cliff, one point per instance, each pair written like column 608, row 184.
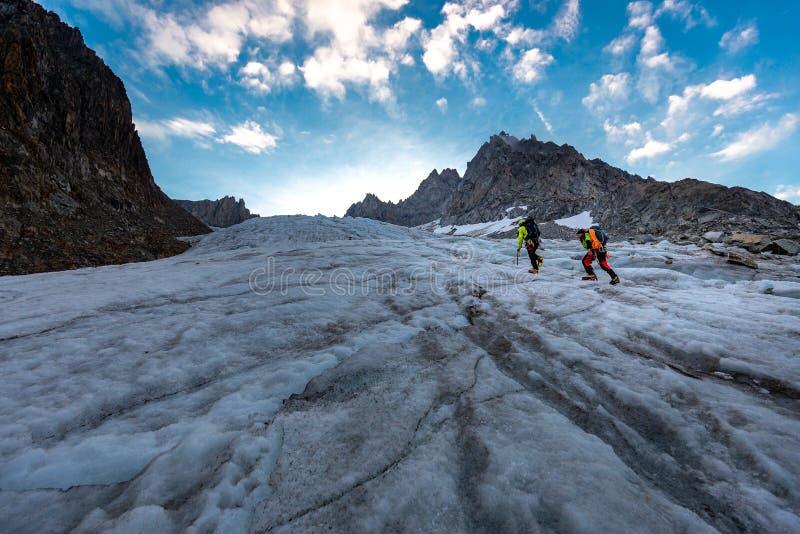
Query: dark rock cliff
column 223, row 212
column 75, row 186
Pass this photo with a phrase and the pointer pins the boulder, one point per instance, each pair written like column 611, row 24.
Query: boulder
column 783, row 246
column 741, row 238
column 709, row 247
column 714, row 237
column 741, row 259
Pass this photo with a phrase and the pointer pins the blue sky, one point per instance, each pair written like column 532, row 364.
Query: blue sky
column 304, row 106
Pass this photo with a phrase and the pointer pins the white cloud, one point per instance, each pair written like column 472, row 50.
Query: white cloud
column 357, row 52
column 789, row 193
column 441, row 45
column 565, row 25
column 718, row 129
column 727, row 89
column 640, row 14
column 530, row 66
column 442, row 104
column 250, row 137
column 650, row 149
column 735, row 95
column 740, row 37
column 328, row 70
column 652, row 42
column 608, row 92
column 653, row 64
column 478, row 102
column 447, row 46
column 630, row 133
column 519, row 36
column 691, row 13
column 744, row 104
column 263, row 79
column 621, row 44
column 189, row 128
column 176, row 127
column 214, row 37
column 759, row 139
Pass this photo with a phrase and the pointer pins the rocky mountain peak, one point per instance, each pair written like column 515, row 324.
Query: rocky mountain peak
column 426, row 204
column 223, row 212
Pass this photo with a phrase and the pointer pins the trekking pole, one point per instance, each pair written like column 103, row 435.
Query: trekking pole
column 517, row 256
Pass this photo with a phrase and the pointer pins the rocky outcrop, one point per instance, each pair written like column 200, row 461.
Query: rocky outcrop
column 741, row 259
column 427, row 203
column 557, row 181
column 223, row 212
column 75, row 186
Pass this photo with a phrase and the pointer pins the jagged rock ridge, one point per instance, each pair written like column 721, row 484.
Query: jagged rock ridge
column 426, row 204
column 557, row 181
column 223, row 212
column 75, row 186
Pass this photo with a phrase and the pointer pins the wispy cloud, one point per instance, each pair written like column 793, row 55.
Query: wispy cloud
column 790, row 193
column 542, row 118
column 760, row 139
column 531, row 65
column 250, row 137
column 176, row 127
column 442, row 104
column 740, row 37
column 608, row 93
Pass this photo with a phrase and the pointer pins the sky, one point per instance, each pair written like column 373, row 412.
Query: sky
column 304, row 106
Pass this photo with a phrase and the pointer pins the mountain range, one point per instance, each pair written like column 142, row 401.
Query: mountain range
column 555, row 181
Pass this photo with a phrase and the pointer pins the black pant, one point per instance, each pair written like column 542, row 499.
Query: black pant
column 531, row 247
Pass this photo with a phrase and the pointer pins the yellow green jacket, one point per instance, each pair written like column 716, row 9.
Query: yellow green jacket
column 522, row 235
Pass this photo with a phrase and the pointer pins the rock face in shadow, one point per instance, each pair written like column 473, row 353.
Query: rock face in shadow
column 557, row 181
column 427, row 203
column 75, row 186
column 223, row 212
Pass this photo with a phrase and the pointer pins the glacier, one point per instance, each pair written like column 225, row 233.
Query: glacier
column 308, row 373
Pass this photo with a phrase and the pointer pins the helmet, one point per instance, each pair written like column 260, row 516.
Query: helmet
column 521, row 222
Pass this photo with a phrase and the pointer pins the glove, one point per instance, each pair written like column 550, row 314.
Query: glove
column 519, row 248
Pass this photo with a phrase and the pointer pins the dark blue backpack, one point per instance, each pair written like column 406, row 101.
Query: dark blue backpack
column 533, row 229
column 600, row 233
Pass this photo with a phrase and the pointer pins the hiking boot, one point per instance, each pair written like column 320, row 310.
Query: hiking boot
column 540, row 261
column 590, row 277
column 533, row 270
column 614, row 281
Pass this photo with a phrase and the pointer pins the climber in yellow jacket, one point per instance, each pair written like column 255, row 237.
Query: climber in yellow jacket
column 529, row 234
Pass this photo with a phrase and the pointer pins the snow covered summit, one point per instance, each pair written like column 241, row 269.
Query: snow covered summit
column 306, row 373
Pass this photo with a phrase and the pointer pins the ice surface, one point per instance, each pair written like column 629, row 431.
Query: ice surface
column 306, row 373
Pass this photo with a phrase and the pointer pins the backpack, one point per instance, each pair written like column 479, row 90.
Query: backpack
column 533, row 229
column 602, row 236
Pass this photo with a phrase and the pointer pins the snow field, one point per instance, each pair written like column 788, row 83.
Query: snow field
column 458, row 394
